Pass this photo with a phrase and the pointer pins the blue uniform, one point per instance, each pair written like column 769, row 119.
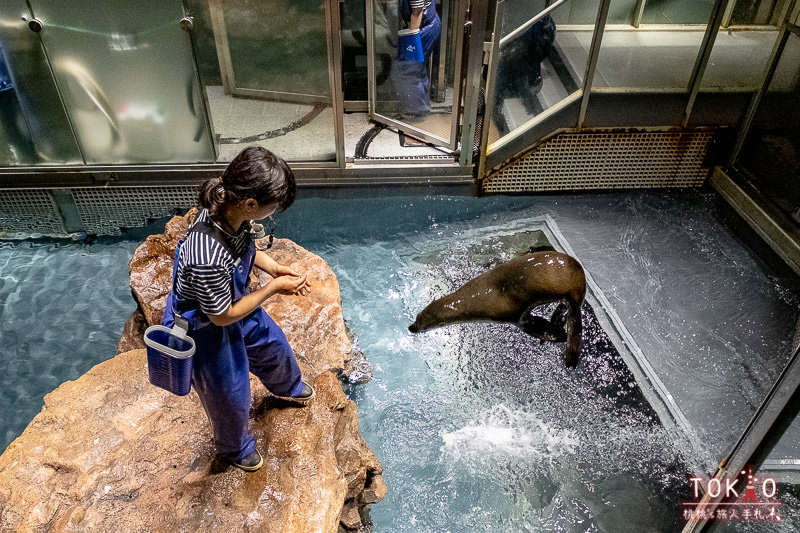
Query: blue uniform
column 410, row 78
column 225, row 356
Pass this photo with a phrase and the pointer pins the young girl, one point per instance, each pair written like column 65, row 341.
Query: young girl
column 233, row 335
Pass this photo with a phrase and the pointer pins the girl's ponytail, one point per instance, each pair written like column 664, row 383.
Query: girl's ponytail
column 212, row 195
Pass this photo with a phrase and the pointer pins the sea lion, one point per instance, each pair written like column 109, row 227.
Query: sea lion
column 508, row 293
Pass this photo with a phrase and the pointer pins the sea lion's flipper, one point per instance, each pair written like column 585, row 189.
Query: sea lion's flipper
column 542, row 248
column 541, row 328
column 574, row 335
column 559, row 317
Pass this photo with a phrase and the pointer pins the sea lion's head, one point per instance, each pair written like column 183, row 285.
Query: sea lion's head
column 418, row 325
column 426, row 319
column 433, row 316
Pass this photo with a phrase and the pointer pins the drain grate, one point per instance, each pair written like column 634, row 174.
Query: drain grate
column 29, row 211
column 104, row 211
column 608, row 160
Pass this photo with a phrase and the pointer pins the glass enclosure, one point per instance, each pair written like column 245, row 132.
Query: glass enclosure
column 119, row 84
column 33, row 122
column 646, row 47
column 770, row 156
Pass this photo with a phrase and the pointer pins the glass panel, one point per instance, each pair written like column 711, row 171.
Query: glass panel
column 34, row 128
column 276, row 88
column 677, row 12
column 771, row 153
column 279, row 46
column 540, row 63
column 738, row 59
column 755, row 12
column 649, row 58
column 126, row 75
column 619, row 12
column 404, row 66
column 354, row 51
column 16, row 146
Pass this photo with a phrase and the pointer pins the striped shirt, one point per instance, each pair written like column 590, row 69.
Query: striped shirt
column 206, row 268
column 420, row 3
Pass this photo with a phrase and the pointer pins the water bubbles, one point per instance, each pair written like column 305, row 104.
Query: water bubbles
column 505, row 431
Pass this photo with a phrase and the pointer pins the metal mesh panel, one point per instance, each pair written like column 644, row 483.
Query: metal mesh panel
column 609, row 160
column 105, row 210
column 29, row 211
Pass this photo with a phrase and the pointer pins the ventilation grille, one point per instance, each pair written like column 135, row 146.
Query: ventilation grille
column 29, row 211
column 609, row 160
column 104, row 211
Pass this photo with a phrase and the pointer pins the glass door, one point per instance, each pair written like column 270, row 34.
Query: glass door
column 273, row 50
column 278, row 62
column 415, row 67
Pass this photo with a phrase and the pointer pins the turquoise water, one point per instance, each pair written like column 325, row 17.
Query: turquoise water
column 62, row 309
column 478, row 427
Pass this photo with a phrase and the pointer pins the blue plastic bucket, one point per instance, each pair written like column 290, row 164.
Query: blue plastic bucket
column 409, row 46
column 169, row 358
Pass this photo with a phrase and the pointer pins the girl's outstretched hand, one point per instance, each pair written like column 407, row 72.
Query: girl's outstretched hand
column 292, row 284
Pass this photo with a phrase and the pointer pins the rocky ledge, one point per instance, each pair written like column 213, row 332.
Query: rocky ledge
column 110, row 452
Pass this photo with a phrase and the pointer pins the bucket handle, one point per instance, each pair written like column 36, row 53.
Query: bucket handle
column 180, row 327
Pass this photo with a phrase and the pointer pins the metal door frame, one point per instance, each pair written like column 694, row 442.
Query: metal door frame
column 460, row 13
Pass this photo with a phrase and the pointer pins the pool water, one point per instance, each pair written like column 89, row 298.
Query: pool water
column 63, row 305
column 479, row 427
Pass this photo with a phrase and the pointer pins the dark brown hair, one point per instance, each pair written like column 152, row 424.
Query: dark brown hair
column 255, row 173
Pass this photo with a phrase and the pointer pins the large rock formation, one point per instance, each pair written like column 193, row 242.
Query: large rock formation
column 110, row 452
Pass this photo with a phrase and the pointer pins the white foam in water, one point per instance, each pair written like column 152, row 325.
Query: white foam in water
column 510, row 432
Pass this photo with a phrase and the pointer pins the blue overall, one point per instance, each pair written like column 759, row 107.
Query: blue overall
column 410, row 79
column 429, row 30
column 225, row 356
column 430, row 27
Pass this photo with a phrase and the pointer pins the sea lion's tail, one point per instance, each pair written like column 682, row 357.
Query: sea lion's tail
column 574, row 335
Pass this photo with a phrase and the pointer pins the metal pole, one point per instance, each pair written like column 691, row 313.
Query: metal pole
column 744, row 130
column 638, row 13
column 334, row 32
column 491, row 74
column 516, row 33
column 476, row 29
column 594, row 53
column 717, row 14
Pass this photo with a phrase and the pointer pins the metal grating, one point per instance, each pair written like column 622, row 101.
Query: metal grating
column 608, row 160
column 28, row 211
column 104, row 211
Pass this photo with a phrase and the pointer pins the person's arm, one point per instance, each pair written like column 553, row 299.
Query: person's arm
column 266, row 263
column 416, row 18
column 274, row 269
column 244, row 306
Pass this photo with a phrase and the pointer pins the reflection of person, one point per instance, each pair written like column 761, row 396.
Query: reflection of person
column 233, row 334
column 411, row 79
column 15, row 144
column 422, row 15
column 519, row 71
